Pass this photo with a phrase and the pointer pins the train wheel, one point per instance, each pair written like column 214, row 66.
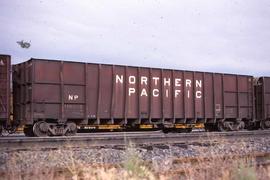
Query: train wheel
column 72, row 129
column 230, row 126
column 265, row 124
column 224, row 126
column 40, row 129
column 221, row 127
column 239, row 125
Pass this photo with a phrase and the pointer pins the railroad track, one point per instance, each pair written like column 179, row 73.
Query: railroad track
column 123, row 139
column 21, row 135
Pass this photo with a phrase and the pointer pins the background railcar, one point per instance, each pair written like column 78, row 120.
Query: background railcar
column 262, row 89
column 56, row 96
column 5, row 90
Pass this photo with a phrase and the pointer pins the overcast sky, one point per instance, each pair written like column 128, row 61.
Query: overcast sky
column 231, row 36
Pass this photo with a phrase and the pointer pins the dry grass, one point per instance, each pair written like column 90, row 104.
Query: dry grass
column 209, row 164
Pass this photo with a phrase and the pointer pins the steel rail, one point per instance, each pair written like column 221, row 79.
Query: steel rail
column 123, row 139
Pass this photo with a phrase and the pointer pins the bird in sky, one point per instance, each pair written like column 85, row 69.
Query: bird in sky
column 24, row 44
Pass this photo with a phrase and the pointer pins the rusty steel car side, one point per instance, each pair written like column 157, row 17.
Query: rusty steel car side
column 56, row 93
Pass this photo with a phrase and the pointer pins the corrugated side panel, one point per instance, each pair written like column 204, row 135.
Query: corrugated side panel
column 22, row 94
column 238, row 96
column 61, row 95
column 97, row 93
column 246, row 97
column 4, row 87
column 208, row 94
column 49, row 90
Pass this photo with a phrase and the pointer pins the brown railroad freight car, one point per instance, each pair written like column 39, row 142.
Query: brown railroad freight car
column 262, row 90
column 51, row 96
column 5, row 68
